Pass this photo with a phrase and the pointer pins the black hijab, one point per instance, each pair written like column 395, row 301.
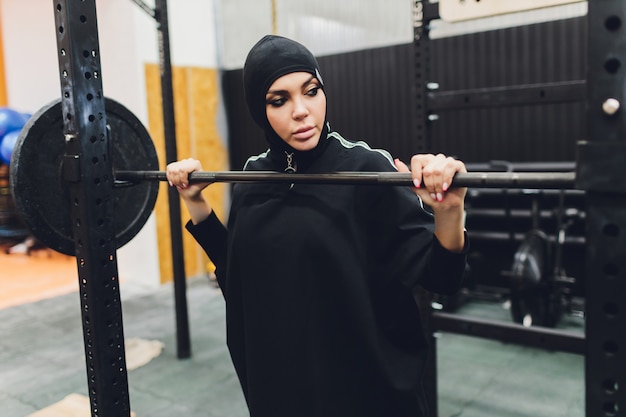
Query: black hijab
column 269, row 59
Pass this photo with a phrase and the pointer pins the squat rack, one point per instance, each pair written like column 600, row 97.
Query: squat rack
column 601, row 175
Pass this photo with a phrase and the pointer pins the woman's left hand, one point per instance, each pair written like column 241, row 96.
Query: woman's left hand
column 433, row 176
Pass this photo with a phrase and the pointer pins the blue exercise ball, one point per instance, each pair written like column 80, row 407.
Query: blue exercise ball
column 7, row 143
column 10, row 120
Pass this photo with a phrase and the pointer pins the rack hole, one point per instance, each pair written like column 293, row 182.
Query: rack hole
column 610, row 310
column 612, row 65
column 610, row 409
column 610, row 386
column 611, row 230
column 612, row 23
column 610, row 270
column 610, row 348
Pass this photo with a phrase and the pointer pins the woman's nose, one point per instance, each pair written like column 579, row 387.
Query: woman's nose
column 300, row 110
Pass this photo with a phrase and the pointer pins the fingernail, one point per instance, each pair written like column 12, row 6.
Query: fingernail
column 416, row 182
column 445, row 186
column 439, row 197
column 433, row 196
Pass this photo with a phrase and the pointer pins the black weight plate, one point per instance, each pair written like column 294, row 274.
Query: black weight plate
column 534, row 301
column 42, row 196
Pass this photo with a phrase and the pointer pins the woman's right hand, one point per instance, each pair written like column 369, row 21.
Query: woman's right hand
column 178, row 176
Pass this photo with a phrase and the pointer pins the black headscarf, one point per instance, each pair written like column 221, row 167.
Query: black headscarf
column 269, row 59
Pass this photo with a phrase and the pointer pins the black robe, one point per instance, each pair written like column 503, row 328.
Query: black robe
column 320, row 284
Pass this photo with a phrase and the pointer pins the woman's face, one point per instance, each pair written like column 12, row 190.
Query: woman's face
column 296, row 109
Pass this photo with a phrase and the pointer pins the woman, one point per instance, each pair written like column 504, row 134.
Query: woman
column 319, row 280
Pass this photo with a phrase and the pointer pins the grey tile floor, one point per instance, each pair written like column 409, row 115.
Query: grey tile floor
column 42, row 361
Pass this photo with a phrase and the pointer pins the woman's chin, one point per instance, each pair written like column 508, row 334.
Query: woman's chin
column 304, row 145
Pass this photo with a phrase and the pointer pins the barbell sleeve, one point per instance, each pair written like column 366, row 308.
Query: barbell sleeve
column 530, row 180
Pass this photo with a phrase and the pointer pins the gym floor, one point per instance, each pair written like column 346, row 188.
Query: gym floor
column 42, row 359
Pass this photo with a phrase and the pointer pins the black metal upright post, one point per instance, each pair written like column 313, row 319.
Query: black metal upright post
column 169, row 128
column 422, row 14
column 87, row 171
column 602, row 173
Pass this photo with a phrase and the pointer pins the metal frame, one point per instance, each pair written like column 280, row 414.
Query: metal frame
column 539, row 337
column 90, row 181
column 546, row 93
column 600, row 173
column 600, row 176
column 423, row 13
column 88, row 173
column 160, row 15
column 183, row 338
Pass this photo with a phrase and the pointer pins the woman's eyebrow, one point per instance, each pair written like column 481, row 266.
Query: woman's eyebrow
column 282, row 92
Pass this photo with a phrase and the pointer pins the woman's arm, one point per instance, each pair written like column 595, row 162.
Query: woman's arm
column 191, row 194
column 432, row 176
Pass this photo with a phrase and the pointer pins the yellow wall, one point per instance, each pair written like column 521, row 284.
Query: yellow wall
column 196, row 92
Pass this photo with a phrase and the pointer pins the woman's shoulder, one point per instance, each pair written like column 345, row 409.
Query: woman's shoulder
column 361, row 153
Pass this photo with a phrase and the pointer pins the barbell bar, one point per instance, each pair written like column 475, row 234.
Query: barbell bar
column 39, row 172
column 530, row 180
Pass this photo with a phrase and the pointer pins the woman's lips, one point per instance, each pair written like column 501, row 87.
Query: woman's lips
column 304, row 133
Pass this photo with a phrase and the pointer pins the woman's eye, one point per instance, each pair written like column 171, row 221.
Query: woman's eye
column 312, row 92
column 276, row 102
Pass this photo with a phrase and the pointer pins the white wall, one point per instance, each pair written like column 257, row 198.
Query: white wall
column 128, row 39
column 324, row 26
